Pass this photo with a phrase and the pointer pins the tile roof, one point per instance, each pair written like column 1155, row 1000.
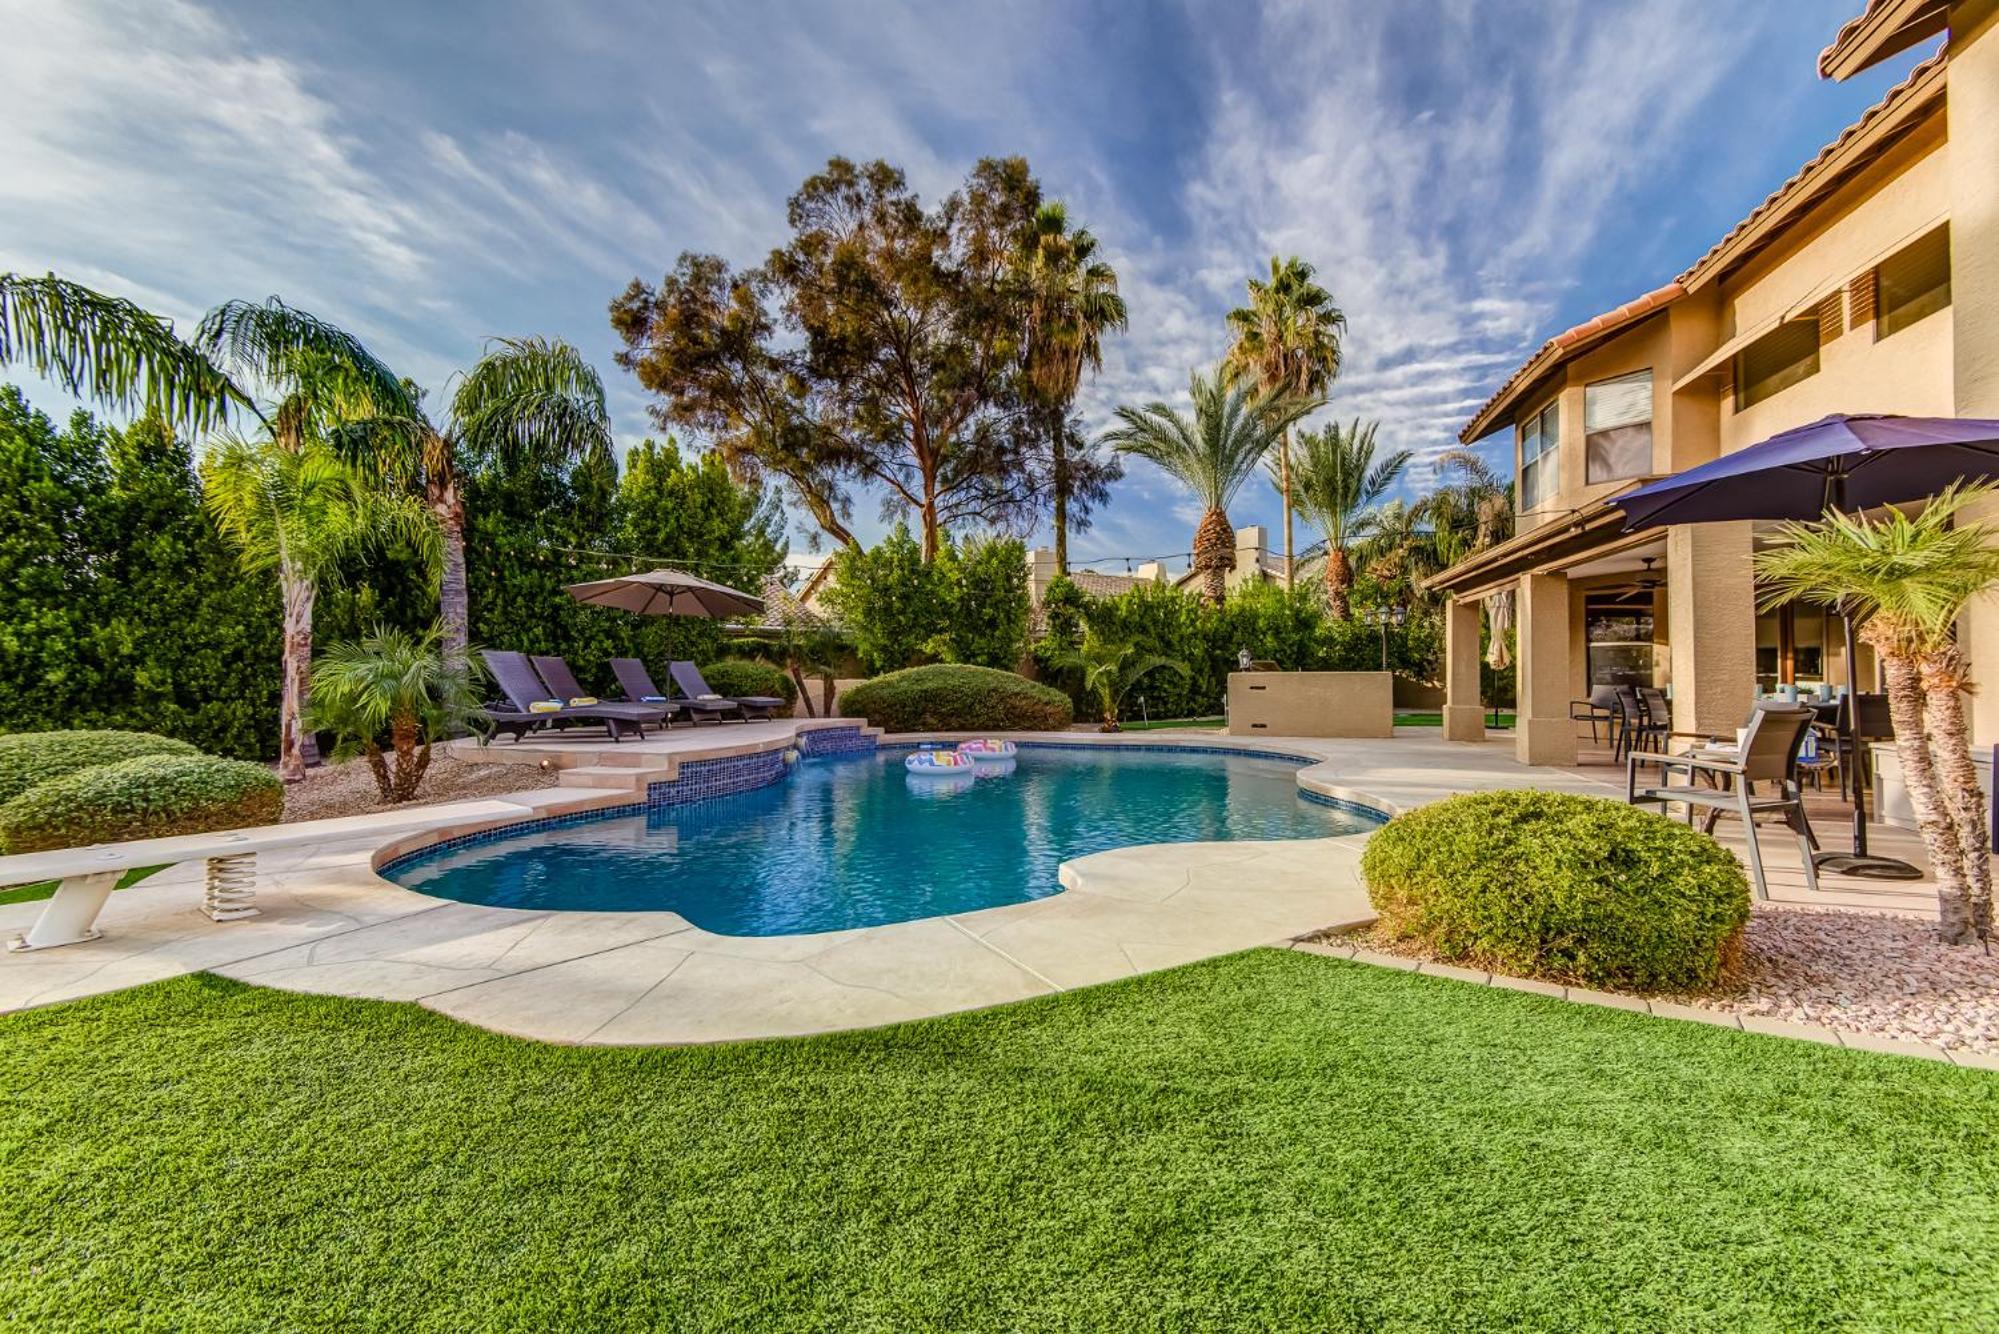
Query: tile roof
column 1844, row 55
column 1910, row 93
column 1556, row 349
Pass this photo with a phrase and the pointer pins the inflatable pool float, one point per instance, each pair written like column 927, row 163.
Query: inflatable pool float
column 937, row 762
column 987, row 751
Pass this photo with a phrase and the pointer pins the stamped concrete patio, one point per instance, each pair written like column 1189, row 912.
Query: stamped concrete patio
column 330, row 924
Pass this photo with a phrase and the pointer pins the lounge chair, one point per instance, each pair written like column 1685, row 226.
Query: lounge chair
column 523, row 689
column 1768, row 754
column 688, row 677
column 636, row 682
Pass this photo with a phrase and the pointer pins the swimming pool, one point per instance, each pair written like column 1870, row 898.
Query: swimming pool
column 849, row 841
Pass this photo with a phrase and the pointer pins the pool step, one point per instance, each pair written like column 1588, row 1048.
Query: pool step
column 616, row 777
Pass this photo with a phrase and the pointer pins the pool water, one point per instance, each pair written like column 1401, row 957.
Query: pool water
column 847, row 841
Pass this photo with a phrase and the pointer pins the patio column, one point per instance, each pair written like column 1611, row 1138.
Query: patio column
column 1711, row 623
column 1464, row 715
column 1973, row 112
column 1543, row 732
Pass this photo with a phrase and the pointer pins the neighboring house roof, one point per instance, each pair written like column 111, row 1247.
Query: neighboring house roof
column 1884, row 28
column 1878, row 128
column 1568, row 343
column 1104, row 585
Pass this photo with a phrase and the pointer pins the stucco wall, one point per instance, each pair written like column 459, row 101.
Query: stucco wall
column 1353, row 704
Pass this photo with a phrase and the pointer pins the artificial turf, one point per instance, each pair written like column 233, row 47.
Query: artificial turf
column 1270, row 1140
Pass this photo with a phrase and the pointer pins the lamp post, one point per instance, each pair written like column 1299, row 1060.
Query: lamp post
column 1383, row 617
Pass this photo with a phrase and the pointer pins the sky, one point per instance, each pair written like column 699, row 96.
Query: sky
column 1468, row 176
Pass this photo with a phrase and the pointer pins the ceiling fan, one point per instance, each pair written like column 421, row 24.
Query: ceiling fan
column 1645, row 581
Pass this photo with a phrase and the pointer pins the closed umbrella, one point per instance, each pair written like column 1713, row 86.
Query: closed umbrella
column 667, row 593
column 1843, row 463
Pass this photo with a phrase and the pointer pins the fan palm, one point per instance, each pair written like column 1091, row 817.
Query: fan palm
column 1212, row 453
column 1071, row 302
column 392, row 683
column 1110, row 668
column 527, row 400
column 1336, row 479
column 301, row 511
column 1288, row 340
column 1909, row 577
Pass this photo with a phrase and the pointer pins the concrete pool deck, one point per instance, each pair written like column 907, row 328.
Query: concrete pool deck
column 330, row 924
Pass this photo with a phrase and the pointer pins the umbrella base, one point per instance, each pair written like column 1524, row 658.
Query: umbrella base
column 1864, row 867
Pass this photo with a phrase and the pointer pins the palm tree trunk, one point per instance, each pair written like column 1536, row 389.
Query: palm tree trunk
column 804, row 692
column 378, row 766
column 1905, row 706
column 402, row 735
column 1339, row 578
column 454, row 613
column 1214, row 555
column 1284, row 480
column 1058, row 450
column 296, row 666
column 1944, row 681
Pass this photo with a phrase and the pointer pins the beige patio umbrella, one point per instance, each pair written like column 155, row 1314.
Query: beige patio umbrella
column 667, row 593
column 1499, row 613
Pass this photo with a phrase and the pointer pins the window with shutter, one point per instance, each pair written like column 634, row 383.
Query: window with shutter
column 1776, row 361
column 1913, row 283
column 1617, row 425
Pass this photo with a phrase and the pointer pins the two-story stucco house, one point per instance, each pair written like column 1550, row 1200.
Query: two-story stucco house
column 1867, row 282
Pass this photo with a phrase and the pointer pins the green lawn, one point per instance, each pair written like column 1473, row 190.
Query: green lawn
column 1418, row 718
column 1271, row 1140
column 46, row 888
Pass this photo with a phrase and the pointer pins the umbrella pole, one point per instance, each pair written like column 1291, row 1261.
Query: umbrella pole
column 1858, row 862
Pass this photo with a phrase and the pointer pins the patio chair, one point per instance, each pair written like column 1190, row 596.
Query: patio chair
column 1768, row 754
column 636, row 682
column 1599, row 709
column 523, row 688
column 1636, row 725
column 688, row 677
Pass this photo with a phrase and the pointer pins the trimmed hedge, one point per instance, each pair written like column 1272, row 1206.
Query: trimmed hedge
column 152, row 796
column 1573, row 889
column 31, row 758
column 742, row 676
column 955, row 697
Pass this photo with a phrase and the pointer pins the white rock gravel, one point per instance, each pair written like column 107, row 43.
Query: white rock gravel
column 1849, row 970
column 1864, row 972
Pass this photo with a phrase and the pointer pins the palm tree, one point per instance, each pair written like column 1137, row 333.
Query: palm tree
column 1072, row 301
column 301, row 511
column 1110, row 668
column 1288, row 340
column 1910, row 577
column 1335, row 480
column 1471, row 509
column 526, row 399
column 1212, row 453
column 396, row 683
column 107, row 350
column 1398, row 549
column 114, row 352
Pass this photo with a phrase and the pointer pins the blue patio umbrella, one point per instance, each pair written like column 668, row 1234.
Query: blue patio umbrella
column 1839, row 462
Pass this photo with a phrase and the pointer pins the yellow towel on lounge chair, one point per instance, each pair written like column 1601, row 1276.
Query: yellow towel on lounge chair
column 544, row 706
column 582, row 701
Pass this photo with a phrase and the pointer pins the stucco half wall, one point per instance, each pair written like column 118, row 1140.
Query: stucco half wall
column 1334, row 704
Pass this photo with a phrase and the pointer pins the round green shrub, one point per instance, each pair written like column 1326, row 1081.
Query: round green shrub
column 1573, row 889
column 152, row 796
column 742, row 676
column 954, row 697
column 31, row 758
